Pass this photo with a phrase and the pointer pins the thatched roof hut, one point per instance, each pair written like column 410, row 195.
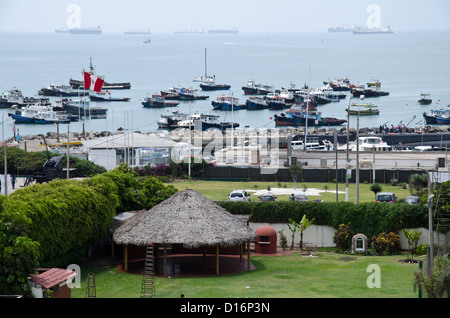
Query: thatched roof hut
column 186, row 218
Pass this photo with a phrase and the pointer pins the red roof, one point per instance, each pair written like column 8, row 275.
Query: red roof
column 52, row 277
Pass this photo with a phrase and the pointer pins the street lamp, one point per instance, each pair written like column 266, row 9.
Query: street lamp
column 348, row 141
column 357, row 153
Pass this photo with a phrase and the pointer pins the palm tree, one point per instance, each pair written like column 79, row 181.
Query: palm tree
column 418, row 184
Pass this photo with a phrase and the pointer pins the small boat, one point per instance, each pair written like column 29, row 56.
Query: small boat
column 158, row 101
column 105, row 96
column 227, row 103
column 425, row 99
column 15, row 97
column 60, row 91
column 256, row 103
column 363, row 109
column 323, row 145
column 257, row 89
column 34, row 114
column 300, row 117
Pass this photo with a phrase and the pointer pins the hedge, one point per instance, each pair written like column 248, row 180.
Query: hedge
column 370, row 219
column 65, row 214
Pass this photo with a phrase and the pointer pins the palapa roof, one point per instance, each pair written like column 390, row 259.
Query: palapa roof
column 187, row 218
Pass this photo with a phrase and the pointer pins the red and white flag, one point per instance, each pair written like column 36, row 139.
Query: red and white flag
column 93, row 82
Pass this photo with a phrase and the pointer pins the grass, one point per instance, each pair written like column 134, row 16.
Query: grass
column 329, row 275
column 219, row 190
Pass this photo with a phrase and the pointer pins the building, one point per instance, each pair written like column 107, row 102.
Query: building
column 136, row 149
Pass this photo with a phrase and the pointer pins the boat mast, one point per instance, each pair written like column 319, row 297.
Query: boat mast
column 307, row 107
column 206, row 67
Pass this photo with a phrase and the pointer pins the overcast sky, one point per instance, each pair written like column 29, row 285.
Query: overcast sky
column 246, row 15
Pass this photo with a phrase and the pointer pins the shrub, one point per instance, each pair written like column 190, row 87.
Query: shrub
column 386, row 244
column 343, row 237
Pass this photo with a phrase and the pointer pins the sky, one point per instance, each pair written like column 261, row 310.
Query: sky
column 167, row 16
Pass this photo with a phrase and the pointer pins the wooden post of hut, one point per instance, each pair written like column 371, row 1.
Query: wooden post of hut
column 125, row 258
column 217, row 259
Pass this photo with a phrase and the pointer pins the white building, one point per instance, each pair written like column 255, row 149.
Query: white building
column 136, row 149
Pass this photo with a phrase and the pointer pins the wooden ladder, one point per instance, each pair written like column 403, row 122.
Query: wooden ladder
column 148, row 279
column 90, row 290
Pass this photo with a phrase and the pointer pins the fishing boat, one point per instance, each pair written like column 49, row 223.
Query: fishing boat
column 425, row 99
column 82, row 108
column 212, row 86
column 256, row 103
column 363, row 109
column 204, row 121
column 190, row 94
column 373, row 90
column 170, row 121
column 77, row 84
column 443, row 119
column 15, row 97
column 431, row 118
column 300, row 117
column 276, row 102
column 339, row 84
column 60, row 91
column 34, row 114
column 227, row 103
column 105, row 96
column 257, row 89
column 158, row 101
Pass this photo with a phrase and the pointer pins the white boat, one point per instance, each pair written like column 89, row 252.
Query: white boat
column 368, row 144
column 312, row 146
column 37, row 114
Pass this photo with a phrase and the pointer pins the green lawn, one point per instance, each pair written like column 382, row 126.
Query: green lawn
column 219, row 190
column 329, row 275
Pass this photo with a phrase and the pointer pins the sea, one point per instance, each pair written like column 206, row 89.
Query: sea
column 407, row 63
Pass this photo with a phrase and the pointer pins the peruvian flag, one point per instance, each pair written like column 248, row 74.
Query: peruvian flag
column 93, row 82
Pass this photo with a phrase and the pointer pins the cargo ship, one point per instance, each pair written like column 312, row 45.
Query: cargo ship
column 97, row 30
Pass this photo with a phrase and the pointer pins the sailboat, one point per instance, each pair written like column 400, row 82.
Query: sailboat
column 208, row 82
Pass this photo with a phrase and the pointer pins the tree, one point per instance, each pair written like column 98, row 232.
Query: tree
column 376, row 188
column 418, row 184
column 304, row 224
column 295, row 170
column 294, row 227
column 413, row 238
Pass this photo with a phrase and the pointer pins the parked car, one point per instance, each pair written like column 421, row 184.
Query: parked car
column 386, row 197
column 267, row 197
column 412, row 200
column 239, row 195
column 298, row 197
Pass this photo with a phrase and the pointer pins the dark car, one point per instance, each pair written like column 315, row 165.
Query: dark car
column 298, row 197
column 386, row 197
column 412, row 200
column 267, row 197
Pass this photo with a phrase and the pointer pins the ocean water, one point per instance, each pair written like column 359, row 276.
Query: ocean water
column 406, row 63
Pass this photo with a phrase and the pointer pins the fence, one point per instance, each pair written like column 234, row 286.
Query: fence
column 316, row 175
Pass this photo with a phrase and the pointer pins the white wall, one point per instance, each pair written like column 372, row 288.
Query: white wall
column 322, row 236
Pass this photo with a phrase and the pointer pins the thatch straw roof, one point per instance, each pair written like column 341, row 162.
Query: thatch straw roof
column 187, row 218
